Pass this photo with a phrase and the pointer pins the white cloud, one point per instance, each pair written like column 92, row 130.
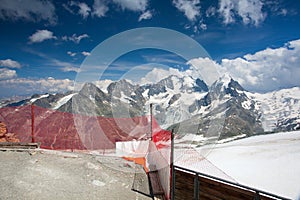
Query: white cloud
column 283, row 12
column 204, row 68
column 269, row 69
column 10, row 63
column 6, row 74
column 145, row 15
column 211, row 11
column 72, row 54
column 75, row 38
column 100, row 8
column 250, row 11
column 41, row 35
column 85, row 53
column 203, row 26
column 158, row 74
column 190, row 8
column 133, row 5
column 83, row 9
column 29, row 10
column 70, row 69
column 226, row 8
column 66, row 66
column 266, row 70
column 23, row 86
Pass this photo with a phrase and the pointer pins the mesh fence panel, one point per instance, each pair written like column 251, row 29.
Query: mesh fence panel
column 141, row 181
column 18, row 121
column 57, row 130
column 60, row 131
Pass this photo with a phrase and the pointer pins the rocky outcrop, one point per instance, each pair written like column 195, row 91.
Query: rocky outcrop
column 5, row 136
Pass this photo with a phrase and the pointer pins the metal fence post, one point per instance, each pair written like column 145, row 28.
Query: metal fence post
column 196, row 187
column 173, row 182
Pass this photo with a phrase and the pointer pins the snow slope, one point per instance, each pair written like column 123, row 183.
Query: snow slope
column 267, row 162
column 63, row 100
column 277, row 106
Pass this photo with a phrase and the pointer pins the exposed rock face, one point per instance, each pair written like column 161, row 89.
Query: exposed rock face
column 3, row 129
column 5, row 136
column 181, row 99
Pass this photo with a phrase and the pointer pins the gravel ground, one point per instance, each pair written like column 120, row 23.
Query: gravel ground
column 41, row 174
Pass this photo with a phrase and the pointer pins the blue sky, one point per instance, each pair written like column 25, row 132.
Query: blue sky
column 43, row 43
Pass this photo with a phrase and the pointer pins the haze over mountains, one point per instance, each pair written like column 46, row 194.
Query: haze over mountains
column 184, row 103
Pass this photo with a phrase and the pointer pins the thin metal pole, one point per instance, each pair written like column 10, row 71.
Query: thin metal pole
column 172, row 175
column 151, row 120
column 196, row 187
column 32, row 123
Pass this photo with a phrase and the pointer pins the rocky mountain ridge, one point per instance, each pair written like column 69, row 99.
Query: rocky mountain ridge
column 186, row 104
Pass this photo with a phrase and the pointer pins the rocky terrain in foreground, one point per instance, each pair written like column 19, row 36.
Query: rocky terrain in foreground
column 44, row 175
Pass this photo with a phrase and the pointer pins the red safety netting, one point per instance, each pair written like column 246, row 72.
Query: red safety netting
column 62, row 130
column 153, row 155
column 66, row 131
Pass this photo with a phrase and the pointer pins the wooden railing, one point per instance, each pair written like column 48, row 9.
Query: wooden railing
column 18, row 145
column 188, row 184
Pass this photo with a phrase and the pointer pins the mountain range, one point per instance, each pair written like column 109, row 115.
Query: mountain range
column 184, row 104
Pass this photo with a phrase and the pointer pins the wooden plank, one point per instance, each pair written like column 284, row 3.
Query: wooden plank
column 19, row 145
column 184, row 186
column 223, row 190
column 210, row 189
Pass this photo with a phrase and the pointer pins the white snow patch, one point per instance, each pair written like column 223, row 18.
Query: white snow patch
column 125, row 98
column 267, row 162
column 231, row 138
column 191, row 137
column 63, row 100
column 246, row 104
column 278, row 105
column 40, row 97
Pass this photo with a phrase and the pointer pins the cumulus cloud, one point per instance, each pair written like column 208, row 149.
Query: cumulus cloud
column 203, row 26
column 269, row 69
column 23, row 86
column 83, row 9
column 204, row 68
column 250, row 11
column 70, row 69
column 65, row 66
column 263, row 71
column 72, row 54
column 266, row 70
column 158, row 74
column 10, row 63
column 75, row 38
column 190, row 8
column 30, row 10
column 145, row 15
column 211, row 11
column 100, row 8
column 6, row 74
column 136, row 5
column 41, row 35
column 85, row 53
column 49, row 61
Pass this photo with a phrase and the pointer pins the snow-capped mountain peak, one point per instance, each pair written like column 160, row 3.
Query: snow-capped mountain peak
column 185, row 99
